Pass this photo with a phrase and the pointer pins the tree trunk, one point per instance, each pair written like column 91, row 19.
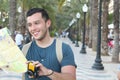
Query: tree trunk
column 90, row 25
column 115, row 53
column 22, row 22
column 12, row 16
column 94, row 24
column 104, row 46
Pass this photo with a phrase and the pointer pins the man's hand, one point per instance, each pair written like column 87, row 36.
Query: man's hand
column 43, row 71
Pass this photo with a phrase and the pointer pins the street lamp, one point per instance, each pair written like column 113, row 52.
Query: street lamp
column 68, row 29
column 83, row 49
column 78, row 17
column 98, row 65
column 0, row 14
column 3, row 20
column 71, row 23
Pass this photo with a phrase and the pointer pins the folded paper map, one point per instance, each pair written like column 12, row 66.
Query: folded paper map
column 11, row 57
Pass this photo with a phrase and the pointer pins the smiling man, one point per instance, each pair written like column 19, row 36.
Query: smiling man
column 42, row 51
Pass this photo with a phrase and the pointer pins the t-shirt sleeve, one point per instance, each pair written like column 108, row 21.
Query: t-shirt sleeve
column 68, row 56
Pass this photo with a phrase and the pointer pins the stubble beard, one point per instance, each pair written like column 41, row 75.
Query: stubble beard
column 42, row 37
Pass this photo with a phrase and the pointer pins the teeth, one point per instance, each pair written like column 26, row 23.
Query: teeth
column 35, row 33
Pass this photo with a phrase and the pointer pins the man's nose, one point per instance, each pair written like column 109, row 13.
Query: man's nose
column 33, row 27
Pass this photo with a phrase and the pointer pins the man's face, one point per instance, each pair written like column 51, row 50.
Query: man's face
column 37, row 26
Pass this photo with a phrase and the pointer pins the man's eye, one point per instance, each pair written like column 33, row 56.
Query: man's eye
column 29, row 25
column 37, row 22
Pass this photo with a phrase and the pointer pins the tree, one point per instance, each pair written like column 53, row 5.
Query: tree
column 12, row 16
column 4, row 13
column 90, row 25
column 68, row 10
column 94, row 24
column 104, row 46
column 115, row 52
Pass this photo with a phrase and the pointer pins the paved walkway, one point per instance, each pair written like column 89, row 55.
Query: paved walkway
column 84, row 66
column 85, row 62
column 10, row 76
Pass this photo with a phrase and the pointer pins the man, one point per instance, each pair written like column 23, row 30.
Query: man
column 42, row 50
column 27, row 37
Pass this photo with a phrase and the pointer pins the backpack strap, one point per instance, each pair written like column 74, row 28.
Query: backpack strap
column 59, row 53
column 25, row 48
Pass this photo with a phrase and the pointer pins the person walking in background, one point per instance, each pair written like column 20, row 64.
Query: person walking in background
column 42, row 51
column 27, row 37
column 19, row 39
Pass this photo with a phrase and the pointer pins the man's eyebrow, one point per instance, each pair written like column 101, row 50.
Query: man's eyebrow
column 34, row 21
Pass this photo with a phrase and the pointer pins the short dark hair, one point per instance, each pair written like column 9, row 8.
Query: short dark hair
column 38, row 10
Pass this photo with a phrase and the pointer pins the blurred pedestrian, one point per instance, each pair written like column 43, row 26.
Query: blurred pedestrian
column 27, row 37
column 19, row 39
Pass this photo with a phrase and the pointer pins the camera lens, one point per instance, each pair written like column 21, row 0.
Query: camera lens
column 30, row 73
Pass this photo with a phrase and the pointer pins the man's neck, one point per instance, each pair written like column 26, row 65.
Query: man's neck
column 45, row 42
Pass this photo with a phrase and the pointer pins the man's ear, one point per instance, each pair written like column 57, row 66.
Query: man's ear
column 48, row 23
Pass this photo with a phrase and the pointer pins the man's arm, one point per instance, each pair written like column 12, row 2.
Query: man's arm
column 67, row 73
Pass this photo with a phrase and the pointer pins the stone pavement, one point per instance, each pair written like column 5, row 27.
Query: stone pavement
column 10, row 76
column 85, row 62
column 84, row 66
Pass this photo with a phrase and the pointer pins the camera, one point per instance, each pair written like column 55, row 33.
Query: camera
column 32, row 70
